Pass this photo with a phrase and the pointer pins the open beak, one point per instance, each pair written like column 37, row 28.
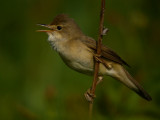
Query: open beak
column 44, row 25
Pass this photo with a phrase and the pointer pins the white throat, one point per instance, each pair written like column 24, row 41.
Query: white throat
column 56, row 41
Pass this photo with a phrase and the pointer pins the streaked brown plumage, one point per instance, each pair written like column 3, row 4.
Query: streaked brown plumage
column 77, row 51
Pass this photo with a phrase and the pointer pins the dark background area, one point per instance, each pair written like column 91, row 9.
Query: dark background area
column 35, row 84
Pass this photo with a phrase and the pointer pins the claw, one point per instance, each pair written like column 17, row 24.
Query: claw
column 89, row 96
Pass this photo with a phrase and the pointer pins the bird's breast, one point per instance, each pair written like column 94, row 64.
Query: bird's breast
column 78, row 57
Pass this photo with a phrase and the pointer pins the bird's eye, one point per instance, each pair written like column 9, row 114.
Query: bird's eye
column 59, row 27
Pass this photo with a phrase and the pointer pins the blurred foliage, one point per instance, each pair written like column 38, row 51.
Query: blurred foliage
column 36, row 85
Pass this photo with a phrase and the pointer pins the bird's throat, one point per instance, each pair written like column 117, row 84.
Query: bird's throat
column 57, row 42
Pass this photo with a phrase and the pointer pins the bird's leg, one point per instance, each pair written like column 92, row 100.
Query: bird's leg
column 99, row 59
column 88, row 95
column 100, row 79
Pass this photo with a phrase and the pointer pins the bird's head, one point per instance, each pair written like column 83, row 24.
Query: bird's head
column 62, row 28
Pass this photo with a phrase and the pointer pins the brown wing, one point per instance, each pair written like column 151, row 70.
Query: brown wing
column 107, row 53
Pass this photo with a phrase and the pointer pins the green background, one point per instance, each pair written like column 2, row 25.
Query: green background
column 35, row 84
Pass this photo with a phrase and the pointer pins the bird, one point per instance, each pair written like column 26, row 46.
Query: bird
column 78, row 52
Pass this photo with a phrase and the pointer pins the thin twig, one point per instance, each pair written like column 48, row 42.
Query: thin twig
column 96, row 66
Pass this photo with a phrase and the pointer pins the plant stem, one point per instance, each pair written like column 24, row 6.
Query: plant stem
column 96, row 65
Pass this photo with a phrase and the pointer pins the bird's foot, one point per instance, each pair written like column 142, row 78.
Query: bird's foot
column 97, row 57
column 89, row 96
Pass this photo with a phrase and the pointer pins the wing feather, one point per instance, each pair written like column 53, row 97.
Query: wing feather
column 107, row 53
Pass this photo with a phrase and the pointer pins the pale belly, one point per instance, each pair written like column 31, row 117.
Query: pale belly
column 78, row 57
column 81, row 62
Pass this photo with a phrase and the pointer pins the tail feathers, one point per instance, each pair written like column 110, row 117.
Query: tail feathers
column 138, row 89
